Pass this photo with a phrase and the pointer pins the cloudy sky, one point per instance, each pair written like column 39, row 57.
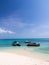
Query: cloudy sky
column 24, row 18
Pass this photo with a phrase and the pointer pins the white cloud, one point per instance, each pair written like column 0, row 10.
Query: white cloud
column 5, row 31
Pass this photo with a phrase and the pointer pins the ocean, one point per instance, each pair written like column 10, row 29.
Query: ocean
column 43, row 48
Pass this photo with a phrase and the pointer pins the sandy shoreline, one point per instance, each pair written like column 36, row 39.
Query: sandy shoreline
column 27, row 53
column 20, row 55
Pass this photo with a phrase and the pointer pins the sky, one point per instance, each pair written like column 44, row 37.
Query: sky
column 24, row 19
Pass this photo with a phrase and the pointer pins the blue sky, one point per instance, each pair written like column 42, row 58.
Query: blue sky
column 24, row 18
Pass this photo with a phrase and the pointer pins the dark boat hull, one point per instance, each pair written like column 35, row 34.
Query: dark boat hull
column 33, row 45
column 15, row 44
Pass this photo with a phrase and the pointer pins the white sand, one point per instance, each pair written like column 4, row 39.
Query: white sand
column 14, row 59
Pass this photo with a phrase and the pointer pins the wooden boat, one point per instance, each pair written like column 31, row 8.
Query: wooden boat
column 15, row 43
column 33, row 44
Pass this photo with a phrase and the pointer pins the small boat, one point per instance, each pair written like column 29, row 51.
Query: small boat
column 15, row 43
column 33, row 44
column 27, row 41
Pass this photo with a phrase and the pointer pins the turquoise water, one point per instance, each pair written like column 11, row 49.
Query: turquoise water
column 44, row 44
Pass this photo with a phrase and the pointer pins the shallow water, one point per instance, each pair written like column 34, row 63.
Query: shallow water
column 44, row 44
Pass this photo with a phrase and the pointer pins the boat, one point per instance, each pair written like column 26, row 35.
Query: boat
column 27, row 41
column 15, row 43
column 33, row 44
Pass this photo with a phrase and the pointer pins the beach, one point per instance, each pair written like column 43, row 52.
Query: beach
column 21, row 57
column 24, row 55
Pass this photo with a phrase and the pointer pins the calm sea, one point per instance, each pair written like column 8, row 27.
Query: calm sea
column 44, row 44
